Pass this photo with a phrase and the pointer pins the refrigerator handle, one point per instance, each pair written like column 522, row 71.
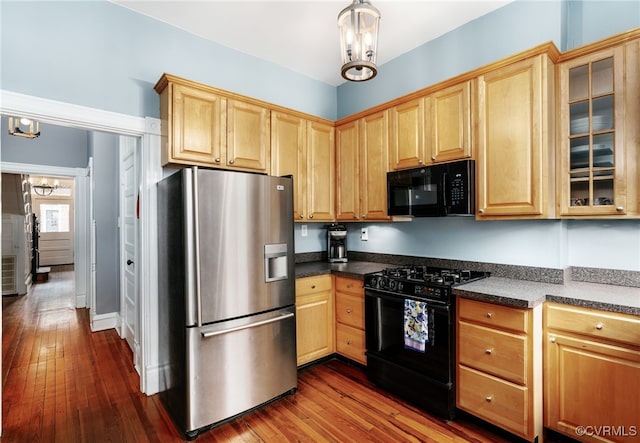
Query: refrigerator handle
column 196, row 247
column 251, row 325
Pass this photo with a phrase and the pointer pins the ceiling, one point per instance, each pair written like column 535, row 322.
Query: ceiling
column 303, row 35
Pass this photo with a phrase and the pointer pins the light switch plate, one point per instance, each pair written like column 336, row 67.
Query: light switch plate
column 364, row 234
column 303, row 230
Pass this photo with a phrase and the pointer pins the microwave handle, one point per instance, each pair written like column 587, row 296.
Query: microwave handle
column 444, row 191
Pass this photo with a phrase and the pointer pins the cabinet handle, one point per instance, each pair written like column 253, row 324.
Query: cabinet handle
column 489, row 398
column 489, row 314
column 599, row 326
column 230, row 162
column 552, row 339
column 349, row 342
column 488, row 351
column 217, row 160
column 349, row 286
column 348, row 311
column 619, row 208
column 313, row 286
column 481, row 211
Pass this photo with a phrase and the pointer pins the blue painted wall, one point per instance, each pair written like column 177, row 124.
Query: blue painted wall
column 101, row 55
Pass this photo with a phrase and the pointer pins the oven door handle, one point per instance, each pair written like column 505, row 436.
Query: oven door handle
column 431, row 304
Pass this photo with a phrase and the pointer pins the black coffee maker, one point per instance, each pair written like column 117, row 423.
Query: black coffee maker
column 337, row 243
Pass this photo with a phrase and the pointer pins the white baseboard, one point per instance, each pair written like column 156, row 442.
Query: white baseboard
column 103, row 322
column 156, row 380
column 81, row 300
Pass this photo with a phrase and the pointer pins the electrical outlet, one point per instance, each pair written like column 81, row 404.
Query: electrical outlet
column 364, row 234
column 303, row 230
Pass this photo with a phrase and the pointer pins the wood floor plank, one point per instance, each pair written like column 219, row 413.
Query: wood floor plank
column 64, row 383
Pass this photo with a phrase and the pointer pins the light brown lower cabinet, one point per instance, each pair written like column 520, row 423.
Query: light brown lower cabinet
column 350, row 339
column 499, row 365
column 314, row 318
column 592, row 374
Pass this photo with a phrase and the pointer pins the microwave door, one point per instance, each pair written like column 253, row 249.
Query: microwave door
column 428, row 193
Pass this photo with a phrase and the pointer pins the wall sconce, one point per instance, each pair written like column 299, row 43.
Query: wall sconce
column 358, row 25
column 23, row 127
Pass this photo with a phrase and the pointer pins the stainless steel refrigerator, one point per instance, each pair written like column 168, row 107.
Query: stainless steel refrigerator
column 227, row 338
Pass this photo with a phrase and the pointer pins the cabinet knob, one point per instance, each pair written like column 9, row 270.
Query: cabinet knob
column 364, row 216
column 348, row 311
column 481, row 211
column 619, row 208
column 420, row 161
column 599, row 326
column 489, row 314
column 313, row 286
column 349, row 341
column 311, row 216
column 552, row 339
column 488, row 351
column 349, row 286
column 217, row 160
column 355, row 217
column 489, row 398
column 230, row 162
column 301, row 215
column 433, row 158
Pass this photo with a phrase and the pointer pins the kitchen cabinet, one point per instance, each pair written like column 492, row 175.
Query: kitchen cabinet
column 248, row 136
column 291, row 137
column 515, row 156
column 449, row 122
column 193, row 125
column 361, row 168
column 204, row 126
column 314, row 318
column 407, row 145
column 592, row 373
column 350, row 338
column 597, row 156
column 499, row 365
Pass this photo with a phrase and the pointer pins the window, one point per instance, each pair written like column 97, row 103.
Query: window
column 54, row 217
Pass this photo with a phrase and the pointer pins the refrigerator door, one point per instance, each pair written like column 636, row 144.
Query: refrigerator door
column 237, row 365
column 243, row 231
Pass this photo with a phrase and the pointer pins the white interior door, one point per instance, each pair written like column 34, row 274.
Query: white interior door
column 129, row 215
column 56, row 214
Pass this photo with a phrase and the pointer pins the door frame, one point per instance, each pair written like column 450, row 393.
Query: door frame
column 148, row 129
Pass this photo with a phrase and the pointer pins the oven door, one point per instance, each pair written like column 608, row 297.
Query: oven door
column 385, row 338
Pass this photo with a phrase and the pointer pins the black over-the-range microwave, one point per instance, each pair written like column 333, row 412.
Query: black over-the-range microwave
column 433, row 191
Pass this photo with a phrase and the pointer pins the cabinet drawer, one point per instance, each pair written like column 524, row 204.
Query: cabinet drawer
column 350, row 310
column 490, row 350
column 350, row 343
column 311, row 285
column 349, row 285
column 493, row 315
column 595, row 323
column 495, row 400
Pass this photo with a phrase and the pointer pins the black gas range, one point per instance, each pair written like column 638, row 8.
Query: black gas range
column 421, row 371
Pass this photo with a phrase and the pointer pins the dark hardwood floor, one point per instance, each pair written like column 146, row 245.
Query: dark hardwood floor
column 63, row 383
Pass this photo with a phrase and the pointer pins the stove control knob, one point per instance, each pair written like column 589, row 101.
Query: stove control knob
column 373, row 281
column 400, row 286
column 392, row 285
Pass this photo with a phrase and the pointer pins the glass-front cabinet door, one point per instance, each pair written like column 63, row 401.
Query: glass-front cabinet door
column 592, row 135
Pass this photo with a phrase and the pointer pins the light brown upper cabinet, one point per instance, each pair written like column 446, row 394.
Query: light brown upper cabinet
column 193, row 125
column 449, row 122
column 515, row 173
column 204, row 126
column 598, row 136
column 303, row 149
column 248, row 136
column 289, row 156
column 407, row 137
column 320, row 172
column 361, row 168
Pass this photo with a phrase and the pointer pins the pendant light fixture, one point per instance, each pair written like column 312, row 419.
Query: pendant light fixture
column 358, row 25
column 23, row 127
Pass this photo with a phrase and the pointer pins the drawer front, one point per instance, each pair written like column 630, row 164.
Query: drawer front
column 591, row 322
column 495, row 400
column 490, row 350
column 350, row 310
column 349, row 285
column 310, row 285
column 491, row 314
column 350, row 343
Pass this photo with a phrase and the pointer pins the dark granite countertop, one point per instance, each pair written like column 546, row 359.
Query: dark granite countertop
column 528, row 294
column 352, row 269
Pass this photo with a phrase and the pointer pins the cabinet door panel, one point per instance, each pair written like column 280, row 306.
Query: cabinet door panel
column 591, row 384
column 248, row 136
column 347, row 172
column 321, row 171
column 288, row 156
column 198, row 126
column 407, row 144
column 373, row 166
column 314, row 327
column 449, row 113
